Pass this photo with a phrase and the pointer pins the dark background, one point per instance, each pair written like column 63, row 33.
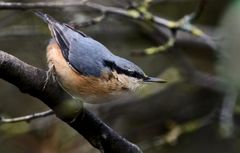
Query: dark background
column 181, row 116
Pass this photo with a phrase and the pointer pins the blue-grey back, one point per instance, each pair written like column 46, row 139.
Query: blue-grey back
column 89, row 57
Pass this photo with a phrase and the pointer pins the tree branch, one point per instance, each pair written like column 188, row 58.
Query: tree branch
column 26, row 118
column 130, row 13
column 137, row 13
column 30, row 80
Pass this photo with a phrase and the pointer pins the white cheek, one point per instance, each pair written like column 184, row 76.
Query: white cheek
column 134, row 83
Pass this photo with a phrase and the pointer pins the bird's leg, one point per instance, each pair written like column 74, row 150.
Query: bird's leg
column 50, row 72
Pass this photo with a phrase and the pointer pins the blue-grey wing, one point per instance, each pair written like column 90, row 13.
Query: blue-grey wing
column 87, row 56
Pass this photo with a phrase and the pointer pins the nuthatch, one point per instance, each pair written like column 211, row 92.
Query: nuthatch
column 85, row 67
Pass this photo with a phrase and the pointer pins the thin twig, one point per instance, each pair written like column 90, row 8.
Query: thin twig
column 177, row 130
column 132, row 13
column 227, row 112
column 137, row 13
column 90, row 22
column 195, row 15
column 158, row 49
column 38, row 5
column 27, row 118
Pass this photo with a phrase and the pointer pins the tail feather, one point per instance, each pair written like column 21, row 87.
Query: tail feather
column 57, row 32
column 46, row 18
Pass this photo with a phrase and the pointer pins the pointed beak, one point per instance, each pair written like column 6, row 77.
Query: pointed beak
column 152, row 79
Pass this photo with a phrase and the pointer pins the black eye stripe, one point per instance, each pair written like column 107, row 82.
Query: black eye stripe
column 120, row 70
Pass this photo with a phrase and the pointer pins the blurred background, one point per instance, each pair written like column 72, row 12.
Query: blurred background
column 196, row 111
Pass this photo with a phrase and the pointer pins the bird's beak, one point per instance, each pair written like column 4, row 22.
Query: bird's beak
column 152, row 79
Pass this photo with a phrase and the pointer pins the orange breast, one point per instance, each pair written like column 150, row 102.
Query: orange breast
column 84, row 86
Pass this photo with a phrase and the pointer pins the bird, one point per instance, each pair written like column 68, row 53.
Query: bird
column 86, row 68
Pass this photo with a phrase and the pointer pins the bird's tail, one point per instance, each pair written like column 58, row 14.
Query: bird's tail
column 57, row 32
column 52, row 23
column 46, row 18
